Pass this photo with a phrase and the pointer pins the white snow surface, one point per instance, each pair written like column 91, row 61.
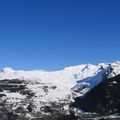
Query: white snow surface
column 75, row 79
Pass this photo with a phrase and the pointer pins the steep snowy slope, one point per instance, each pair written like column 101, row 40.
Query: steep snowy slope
column 41, row 89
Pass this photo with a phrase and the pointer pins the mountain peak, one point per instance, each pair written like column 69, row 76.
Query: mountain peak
column 7, row 70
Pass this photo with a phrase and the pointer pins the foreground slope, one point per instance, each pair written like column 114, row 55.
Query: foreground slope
column 104, row 98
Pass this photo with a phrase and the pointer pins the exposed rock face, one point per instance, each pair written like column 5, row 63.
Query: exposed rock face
column 103, row 99
column 14, row 97
column 17, row 102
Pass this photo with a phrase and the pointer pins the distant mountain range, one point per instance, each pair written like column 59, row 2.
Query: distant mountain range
column 60, row 95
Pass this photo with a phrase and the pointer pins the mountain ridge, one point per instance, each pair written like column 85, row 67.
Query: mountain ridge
column 43, row 91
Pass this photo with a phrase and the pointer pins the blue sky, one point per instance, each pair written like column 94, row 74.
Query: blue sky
column 52, row 34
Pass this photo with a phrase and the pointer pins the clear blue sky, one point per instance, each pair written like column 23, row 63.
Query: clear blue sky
column 52, row 34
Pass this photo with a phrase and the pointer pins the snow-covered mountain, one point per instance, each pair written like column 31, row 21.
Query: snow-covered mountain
column 35, row 91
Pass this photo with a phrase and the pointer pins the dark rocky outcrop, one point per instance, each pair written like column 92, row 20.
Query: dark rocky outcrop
column 12, row 85
column 103, row 99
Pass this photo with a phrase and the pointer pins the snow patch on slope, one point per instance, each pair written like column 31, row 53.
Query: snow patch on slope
column 85, row 85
